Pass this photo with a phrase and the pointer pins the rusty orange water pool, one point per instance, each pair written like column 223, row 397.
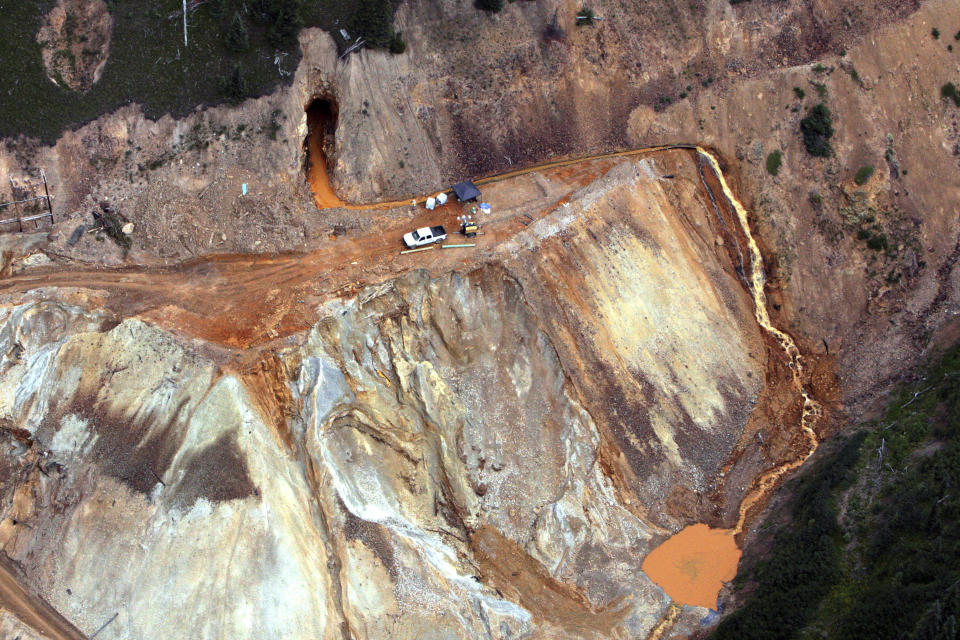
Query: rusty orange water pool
column 692, row 565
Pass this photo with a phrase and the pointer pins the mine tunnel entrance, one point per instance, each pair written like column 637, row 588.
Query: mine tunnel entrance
column 321, row 129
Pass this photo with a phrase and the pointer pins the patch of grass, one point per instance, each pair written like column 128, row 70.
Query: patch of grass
column 774, row 161
column 817, row 129
column 819, row 68
column 950, row 92
column 863, row 175
column 820, row 87
column 148, row 63
column 800, row 93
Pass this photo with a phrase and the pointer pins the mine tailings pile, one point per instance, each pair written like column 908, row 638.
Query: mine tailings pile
column 321, row 128
column 692, row 565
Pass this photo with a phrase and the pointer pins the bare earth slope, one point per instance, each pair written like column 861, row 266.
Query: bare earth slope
column 438, row 456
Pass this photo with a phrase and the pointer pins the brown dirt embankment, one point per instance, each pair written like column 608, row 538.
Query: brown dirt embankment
column 30, row 608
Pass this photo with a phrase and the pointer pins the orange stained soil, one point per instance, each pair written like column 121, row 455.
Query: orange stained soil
column 323, row 195
column 692, row 565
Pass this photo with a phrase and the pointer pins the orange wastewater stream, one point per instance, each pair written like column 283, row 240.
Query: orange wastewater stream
column 692, row 565
column 323, row 194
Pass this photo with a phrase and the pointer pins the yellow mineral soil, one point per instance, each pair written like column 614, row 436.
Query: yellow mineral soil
column 692, row 565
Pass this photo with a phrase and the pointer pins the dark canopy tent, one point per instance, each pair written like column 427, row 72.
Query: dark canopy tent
column 466, row 191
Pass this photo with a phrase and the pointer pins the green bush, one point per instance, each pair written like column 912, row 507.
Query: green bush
column 773, row 162
column 878, row 242
column 950, row 92
column 863, row 175
column 800, row 93
column 935, row 33
column 493, row 6
column 817, row 129
column 585, row 16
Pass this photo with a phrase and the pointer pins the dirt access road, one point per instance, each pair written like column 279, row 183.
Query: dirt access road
column 31, row 609
column 244, row 300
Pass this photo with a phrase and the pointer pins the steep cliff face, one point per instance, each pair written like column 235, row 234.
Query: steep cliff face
column 487, row 452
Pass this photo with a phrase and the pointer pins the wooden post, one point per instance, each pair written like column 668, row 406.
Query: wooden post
column 47, row 192
column 16, row 203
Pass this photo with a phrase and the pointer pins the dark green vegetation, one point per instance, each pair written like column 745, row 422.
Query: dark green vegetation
column 872, row 547
column 492, row 6
column 148, row 63
column 585, row 17
column 935, row 33
column 863, row 175
column 774, row 161
column 950, row 92
column 800, row 93
column 373, row 21
column 817, row 129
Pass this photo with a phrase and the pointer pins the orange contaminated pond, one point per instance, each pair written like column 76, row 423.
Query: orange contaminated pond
column 692, row 565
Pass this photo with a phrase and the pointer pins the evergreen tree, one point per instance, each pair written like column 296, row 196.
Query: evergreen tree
column 238, row 39
column 817, row 129
column 236, row 87
column 286, row 23
column 373, row 21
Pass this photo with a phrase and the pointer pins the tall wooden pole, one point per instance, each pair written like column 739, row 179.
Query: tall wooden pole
column 47, row 192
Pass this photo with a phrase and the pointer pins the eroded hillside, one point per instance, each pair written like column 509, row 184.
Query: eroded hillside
column 252, row 414
column 486, row 452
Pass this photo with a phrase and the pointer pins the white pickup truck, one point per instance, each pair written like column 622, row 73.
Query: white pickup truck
column 424, row 236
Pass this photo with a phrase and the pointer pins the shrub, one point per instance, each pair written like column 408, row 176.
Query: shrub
column 773, row 162
column 397, row 44
column 800, row 93
column 956, row 36
column 877, row 242
column 585, row 16
column 863, row 175
column 935, row 33
column 950, row 92
column 817, row 129
column 238, row 39
column 492, row 6
column 819, row 68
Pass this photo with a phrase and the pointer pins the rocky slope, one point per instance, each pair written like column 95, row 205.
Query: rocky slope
column 488, row 453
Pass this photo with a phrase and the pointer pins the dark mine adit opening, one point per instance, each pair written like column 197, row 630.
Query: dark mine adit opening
column 321, row 132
